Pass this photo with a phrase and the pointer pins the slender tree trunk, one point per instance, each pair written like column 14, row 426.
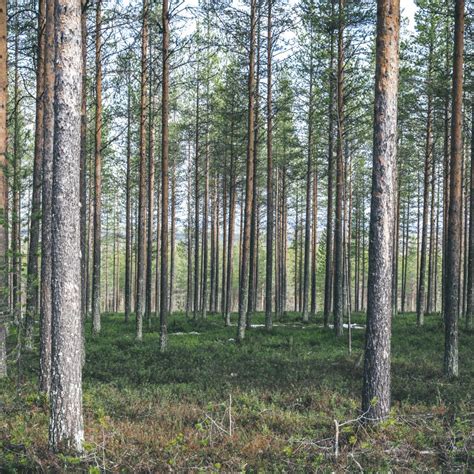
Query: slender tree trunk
column 376, row 386
column 3, row 190
column 128, row 205
column 470, row 273
column 97, row 174
column 309, row 168
column 189, row 286
column 173, row 238
column 142, row 192
column 453, row 264
column 66, row 425
column 420, row 301
column 244, row 281
column 270, row 210
column 32, row 281
column 339, row 235
column 196, row 205
column 151, row 190
column 164, row 307
column 314, row 241
column 330, row 211
column 431, row 252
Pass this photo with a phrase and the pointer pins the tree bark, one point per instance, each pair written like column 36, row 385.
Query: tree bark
column 142, row 196
column 97, row 174
column 244, row 281
column 164, row 306
column 47, row 183
column 3, row 189
column 339, row 231
column 470, row 273
column 376, row 386
column 330, row 210
column 66, row 425
column 453, row 249
column 270, row 210
column 32, row 279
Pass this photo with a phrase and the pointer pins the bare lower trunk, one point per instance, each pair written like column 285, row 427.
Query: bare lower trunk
column 453, row 250
column 3, row 189
column 376, row 387
column 48, row 130
column 66, row 425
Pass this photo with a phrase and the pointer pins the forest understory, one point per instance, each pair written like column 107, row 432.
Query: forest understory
column 270, row 404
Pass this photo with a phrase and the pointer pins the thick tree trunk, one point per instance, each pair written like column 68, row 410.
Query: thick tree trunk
column 164, row 305
column 376, row 387
column 453, row 249
column 244, row 280
column 3, row 189
column 66, row 425
column 97, row 175
column 142, row 192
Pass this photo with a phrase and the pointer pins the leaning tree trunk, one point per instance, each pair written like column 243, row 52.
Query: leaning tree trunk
column 48, row 130
column 3, row 189
column 453, row 250
column 97, row 175
column 376, row 387
column 164, row 306
column 66, row 425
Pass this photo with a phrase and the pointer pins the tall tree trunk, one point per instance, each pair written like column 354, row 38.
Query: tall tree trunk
column 270, row 210
column 420, row 300
column 16, row 208
column 128, row 204
column 196, row 205
column 470, row 273
column 142, row 191
column 189, row 286
column 309, row 173
column 66, row 425
column 431, row 252
column 164, row 305
column 173, row 238
column 32, row 280
column 330, row 211
column 376, row 386
column 3, row 189
column 97, row 174
column 243, row 290
column 151, row 190
column 314, row 241
column 453, row 264
column 339, row 233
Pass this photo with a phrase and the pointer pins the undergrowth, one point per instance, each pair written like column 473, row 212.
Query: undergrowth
column 271, row 404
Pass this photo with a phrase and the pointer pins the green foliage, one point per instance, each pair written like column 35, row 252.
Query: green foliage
column 154, row 411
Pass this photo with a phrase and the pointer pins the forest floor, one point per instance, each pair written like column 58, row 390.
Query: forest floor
column 270, row 405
